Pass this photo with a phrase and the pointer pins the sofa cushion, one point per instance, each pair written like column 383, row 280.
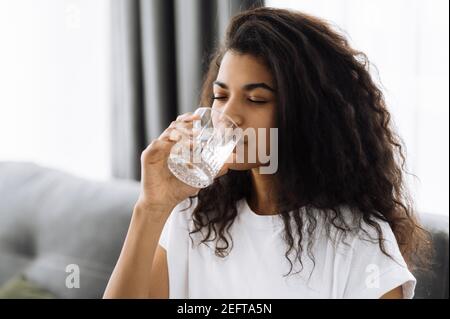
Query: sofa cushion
column 20, row 287
column 434, row 283
column 50, row 220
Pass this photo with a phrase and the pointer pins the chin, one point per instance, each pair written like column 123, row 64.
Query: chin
column 235, row 166
column 243, row 166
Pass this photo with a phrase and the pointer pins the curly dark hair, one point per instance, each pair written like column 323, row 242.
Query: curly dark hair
column 337, row 147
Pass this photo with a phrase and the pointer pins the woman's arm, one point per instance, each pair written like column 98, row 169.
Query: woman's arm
column 159, row 276
column 141, row 267
column 138, row 274
column 396, row 293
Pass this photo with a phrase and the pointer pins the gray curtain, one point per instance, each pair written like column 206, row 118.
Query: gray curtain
column 159, row 56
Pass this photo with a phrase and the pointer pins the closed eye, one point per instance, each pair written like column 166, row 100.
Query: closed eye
column 218, row 97
column 257, row 102
column 224, row 97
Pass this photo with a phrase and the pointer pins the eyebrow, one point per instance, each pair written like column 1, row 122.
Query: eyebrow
column 247, row 87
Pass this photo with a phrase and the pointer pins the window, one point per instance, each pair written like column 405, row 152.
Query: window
column 54, row 80
column 408, row 42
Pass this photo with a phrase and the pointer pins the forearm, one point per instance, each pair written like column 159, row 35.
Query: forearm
column 131, row 275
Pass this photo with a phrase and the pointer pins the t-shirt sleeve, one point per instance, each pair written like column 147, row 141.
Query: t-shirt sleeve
column 164, row 237
column 173, row 222
column 372, row 273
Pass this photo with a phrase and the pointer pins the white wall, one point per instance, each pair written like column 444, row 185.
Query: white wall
column 54, row 84
column 408, row 41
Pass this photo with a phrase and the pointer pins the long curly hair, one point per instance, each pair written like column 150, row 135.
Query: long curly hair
column 337, row 146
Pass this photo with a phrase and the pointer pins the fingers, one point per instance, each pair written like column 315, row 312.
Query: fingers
column 188, row 117
column 177, row 130
column 175, row 133
column 171, row 134
column 180, row 128
column 156, row 151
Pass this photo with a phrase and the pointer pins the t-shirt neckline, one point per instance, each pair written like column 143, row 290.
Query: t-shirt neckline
column 248, row 216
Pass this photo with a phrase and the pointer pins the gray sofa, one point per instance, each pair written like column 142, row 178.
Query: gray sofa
column 50, row 219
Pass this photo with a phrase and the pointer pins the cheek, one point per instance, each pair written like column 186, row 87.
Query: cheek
column 264, row 117
column 263, row 143
column 253, row 153
column 265, row 121
column 260, row 121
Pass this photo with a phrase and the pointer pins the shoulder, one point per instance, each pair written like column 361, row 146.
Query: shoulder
column 374, row 236
column 365, row 232
column 367, row 238
column 376, row 264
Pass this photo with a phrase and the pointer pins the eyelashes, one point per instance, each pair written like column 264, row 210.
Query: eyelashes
column 223, row 98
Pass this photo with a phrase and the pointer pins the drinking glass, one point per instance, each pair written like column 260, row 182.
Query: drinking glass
column 197, row 160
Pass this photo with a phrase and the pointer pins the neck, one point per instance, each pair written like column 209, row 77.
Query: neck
column 262, row 199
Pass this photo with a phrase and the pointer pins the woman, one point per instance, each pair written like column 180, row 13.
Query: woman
column 334, row 220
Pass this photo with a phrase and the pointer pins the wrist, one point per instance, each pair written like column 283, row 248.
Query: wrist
column 154, row 211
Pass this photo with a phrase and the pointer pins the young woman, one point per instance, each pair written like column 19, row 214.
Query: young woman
column 334, row 220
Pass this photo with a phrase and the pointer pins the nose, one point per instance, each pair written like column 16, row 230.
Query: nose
column 232, row 111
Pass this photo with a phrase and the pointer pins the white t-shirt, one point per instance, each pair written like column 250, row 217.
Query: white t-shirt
column 256, row 265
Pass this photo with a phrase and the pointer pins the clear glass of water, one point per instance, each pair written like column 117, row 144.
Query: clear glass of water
column 198, row 160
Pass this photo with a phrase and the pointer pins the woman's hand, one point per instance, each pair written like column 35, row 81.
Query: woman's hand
column 160, row 193
column 159, row 187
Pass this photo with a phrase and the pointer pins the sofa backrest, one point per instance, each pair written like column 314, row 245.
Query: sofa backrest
column 50, row 220
column 434, row 283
